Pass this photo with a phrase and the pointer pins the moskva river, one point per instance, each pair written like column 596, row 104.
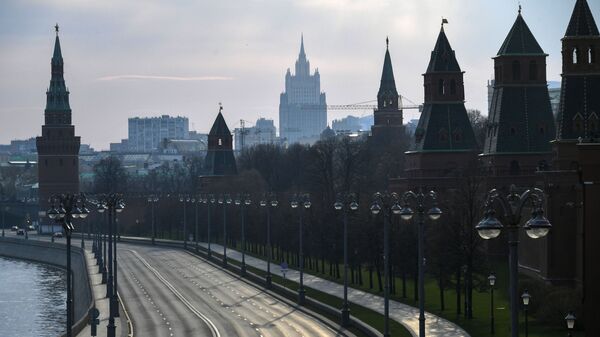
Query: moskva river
column 32, row 299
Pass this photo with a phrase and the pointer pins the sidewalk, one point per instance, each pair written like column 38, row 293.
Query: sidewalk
column 102, row 303
column 400, row 312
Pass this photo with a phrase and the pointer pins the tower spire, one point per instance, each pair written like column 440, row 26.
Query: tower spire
column 302, row 53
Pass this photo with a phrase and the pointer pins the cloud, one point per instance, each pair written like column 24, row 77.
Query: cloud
column 165, row 78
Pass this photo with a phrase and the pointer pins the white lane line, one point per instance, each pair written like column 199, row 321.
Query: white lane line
column 211, row 325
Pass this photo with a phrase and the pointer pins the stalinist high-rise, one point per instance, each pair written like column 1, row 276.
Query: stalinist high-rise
column 302, row 107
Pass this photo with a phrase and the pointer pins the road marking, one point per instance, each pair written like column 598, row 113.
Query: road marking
column 211, row 325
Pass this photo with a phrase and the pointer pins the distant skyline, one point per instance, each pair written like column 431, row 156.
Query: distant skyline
column 150, row 58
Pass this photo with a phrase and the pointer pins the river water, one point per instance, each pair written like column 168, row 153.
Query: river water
column 32, row 299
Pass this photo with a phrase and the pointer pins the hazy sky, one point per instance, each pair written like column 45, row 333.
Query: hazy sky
column 127, row 58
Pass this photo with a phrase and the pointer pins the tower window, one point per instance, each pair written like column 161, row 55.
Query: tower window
column 591, row 55
column 542, row 129
column 513, row 131
column 458, row 136
column 516, row 70
column 443, row 135
column 453, row 87
column 441, row 87
column 220, row 142
column 575, row 55
column 533, row 71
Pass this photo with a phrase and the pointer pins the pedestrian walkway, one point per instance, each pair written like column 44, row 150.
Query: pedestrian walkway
column 101, row 302
column 400, row 312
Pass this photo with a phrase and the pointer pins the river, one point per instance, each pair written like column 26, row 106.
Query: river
column 32, row 299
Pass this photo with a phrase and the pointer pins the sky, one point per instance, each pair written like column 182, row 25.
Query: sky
column 126, row 58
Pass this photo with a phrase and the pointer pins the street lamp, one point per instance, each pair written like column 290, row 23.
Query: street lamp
column 492, row 281
column 152, row 200
column 526, row 298
column 103, row 240
column 388, row 202
column 65, row 208
column 570, row 320
column 4, row 210
column 434, row 213
column 243, row 200
column 344, row 202
column 211, row 200
column 225, row 200
column 269, row 202
column 197, row 200
column 184, row 200
column 302, row 202
column 536, row 227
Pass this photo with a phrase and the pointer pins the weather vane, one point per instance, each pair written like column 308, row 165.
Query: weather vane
column 387, row 41
column 520, row 7
column 220, row 107
column 56, row 28
column 444, row 21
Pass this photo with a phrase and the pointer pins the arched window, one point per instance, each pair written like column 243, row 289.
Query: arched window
column 443, row 134
column 533, row 71
column 457, row 136
column 591, row 55
column 452, row 87
column 220, row 142
column 514, row 169
column 578, row 123
column 593, row 122
column 441, row 87
column 516, row 70
column 542, row 129
column 575, row 55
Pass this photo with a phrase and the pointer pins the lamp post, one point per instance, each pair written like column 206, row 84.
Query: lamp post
column 152, row 200
column 4, row 210
column 570, row 320
column 526, row 298
column 208, row 201
column 269, row 202
column 343, row 203
column 536, row 227
column 388, row 202
column 225, row 200
column 243, row 200
column 184, row 200
column 102, row 237
column 434, row 213
column 65, row 208
column 303, row 202
column 492, row 282
column 197, row 201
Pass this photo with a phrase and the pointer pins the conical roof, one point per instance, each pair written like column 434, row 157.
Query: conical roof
column 387, row 75
column 582, row 21
column 219, row 127
column 442, row 56
column 520, row 40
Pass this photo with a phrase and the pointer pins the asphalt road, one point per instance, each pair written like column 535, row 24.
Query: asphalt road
column 169, row 292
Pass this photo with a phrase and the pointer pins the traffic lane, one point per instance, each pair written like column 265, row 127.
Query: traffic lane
column 154, row 309
column 243, row 302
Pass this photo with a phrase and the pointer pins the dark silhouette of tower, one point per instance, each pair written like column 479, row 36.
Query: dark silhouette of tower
column 219, row 158
column 521, row 124
column 387, row 127
column 444, row 142
column 57, row 147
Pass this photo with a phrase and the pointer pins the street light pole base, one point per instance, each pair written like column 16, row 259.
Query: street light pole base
column 225, row 261
column 243, row 270
column 152, row 241
column 269, row 281
column 110, row 328
column 345, row 315
column 301, row 296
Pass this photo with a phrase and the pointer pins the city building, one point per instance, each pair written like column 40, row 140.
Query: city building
column 387, row 127
column 521, row 123
column 302, row 107
column 57, row 147
column 146, row 134
column 444, row 142
column 263, row 132
column 219, row 157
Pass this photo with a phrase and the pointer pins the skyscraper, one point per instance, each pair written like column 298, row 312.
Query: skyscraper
column 57, row 147
column 302, row 107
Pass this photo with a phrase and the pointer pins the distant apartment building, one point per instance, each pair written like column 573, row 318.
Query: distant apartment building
column 263, row 132
column 346, row 124
column 146, row 134
column 302, row 107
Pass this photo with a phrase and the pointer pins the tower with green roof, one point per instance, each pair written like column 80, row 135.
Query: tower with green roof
column 521, row 124
column 57, row 147
column 444, row 142
column 219, row 157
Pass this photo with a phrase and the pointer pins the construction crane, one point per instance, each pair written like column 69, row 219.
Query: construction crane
column 367, row 105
